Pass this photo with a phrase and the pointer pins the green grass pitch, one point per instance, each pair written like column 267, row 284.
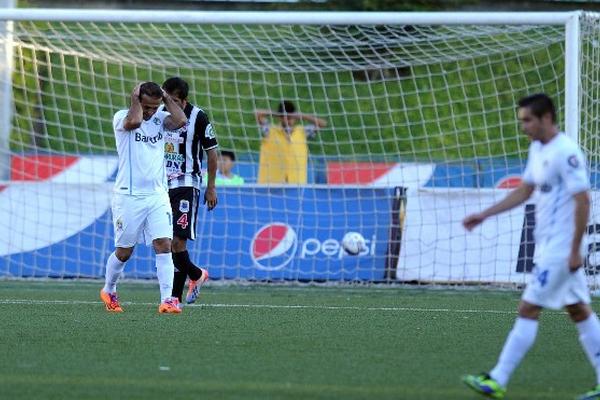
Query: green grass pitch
column 262, row 342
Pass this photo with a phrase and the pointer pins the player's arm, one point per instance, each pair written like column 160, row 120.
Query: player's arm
column 206, row 134
column 177, row 118
column 512, row 200
column 135, row 116
column 582, row 213
column 574, row 174
column 210, row 196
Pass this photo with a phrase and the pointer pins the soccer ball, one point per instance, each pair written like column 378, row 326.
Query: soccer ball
column 354, row 243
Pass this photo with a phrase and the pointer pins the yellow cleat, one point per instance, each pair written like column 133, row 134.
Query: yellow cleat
column 111, row 301
column 169, row 306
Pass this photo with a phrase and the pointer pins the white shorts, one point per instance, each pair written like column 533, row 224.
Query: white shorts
column 141, row 218
column 554, row 286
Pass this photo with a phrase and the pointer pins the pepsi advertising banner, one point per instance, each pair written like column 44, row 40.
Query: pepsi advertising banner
column 294, row 233
column 255, row 233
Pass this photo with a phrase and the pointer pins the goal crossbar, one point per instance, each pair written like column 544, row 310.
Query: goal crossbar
column 278, row 17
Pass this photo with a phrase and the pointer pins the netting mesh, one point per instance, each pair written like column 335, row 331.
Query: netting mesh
column 366, row 79
column 281, row 48
column 428, row 108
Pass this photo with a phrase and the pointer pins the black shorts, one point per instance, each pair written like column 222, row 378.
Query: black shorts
column 184, row 203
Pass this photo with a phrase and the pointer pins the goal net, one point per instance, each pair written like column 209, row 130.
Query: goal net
column 420, row 130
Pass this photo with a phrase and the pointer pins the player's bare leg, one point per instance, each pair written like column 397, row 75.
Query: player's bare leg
column 114, row 267
column 589, row 336
column 519, row 341
column 184, row 268
column 164, row 272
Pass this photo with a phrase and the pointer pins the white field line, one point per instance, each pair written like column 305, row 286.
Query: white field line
column 274, row 306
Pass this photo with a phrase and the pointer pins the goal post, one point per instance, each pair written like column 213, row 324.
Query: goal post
column 6, row 69
column 421, row 104
column 572, row 74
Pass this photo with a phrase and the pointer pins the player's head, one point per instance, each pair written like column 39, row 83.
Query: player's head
column 150, row 98
column 537, row 115
column 285, row 111
column 226, row 161
column 178, row 89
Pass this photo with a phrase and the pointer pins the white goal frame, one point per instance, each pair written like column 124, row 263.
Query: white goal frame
column 570, row 20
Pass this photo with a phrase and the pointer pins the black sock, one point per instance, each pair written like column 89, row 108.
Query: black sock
column 192, row 271
column 180, row 274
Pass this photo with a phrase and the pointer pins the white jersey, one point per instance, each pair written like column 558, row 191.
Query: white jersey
column 141, row 156
column 558, row 171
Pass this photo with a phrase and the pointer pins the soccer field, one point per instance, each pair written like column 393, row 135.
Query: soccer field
column 265, row 342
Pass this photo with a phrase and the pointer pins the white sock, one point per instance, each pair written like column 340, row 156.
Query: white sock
column 589, row 337
column 519, row 341
column 165, row 271
column 114, row 267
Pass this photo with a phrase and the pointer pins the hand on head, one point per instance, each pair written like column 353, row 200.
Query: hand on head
column 136, row 90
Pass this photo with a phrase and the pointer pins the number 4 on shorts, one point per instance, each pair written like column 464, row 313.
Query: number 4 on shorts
column 543, row 277
column 183, row 221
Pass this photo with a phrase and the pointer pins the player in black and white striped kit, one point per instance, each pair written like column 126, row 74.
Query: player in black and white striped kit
column 183, row 160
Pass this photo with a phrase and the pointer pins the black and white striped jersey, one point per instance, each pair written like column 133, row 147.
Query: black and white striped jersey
column 184, row 148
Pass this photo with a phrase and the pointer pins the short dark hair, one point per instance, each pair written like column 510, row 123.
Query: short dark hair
column 229, row 154
column 177, row 87
column 151, row 89
column 286, row 107
column 539, row 104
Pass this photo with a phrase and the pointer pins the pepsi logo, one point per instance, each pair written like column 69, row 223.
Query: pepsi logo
column 273, row 246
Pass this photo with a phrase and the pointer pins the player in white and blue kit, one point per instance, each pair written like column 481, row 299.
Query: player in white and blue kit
column 140, row 206
column 556, row 172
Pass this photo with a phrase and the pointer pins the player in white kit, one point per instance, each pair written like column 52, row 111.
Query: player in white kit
column 556, row 171
column 140, row 207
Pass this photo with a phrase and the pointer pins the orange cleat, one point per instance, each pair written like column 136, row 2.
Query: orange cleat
column 111, row 301
column 194, row 287
column 169, row 306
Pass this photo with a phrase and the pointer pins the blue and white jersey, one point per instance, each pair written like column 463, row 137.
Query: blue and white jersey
column 557, row 169
column 141, row 155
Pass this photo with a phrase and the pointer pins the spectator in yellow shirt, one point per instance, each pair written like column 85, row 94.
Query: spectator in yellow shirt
column 283, row 151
